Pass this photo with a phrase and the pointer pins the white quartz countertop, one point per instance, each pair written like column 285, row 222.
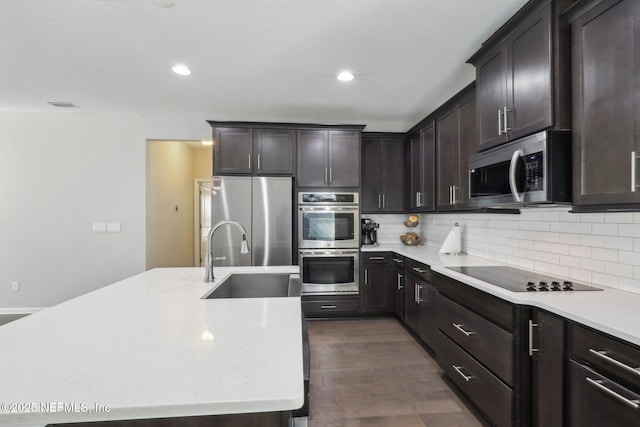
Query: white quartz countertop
column 149, row 347
column 612, row 311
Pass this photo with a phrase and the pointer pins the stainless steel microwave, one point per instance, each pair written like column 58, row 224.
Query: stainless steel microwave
column 533, row 170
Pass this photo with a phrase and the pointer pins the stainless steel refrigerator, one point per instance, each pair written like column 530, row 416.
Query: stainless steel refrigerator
column 263, row 205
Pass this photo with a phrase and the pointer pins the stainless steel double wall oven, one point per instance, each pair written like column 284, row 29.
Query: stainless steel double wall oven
column 329, row 242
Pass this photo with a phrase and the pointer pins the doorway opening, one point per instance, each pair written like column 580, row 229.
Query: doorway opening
column 172, row 217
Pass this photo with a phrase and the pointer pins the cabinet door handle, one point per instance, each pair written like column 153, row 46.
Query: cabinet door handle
column 422, row 199
column 383, row 201
column 419, row 294
column 379, row 201
column 464, row 331
column 500, row 122
column 326, row 180
column 258, row 161
column 400, row 276
column 366, row 276
column 327, row 307
column 376, row 258
column 458, row 369
column 250, row 161
column 634, row 161
column 419, row 270
column 531, row 349
column 454, row 188
column 330, row 174
column 599, row 384
column 604, row 356
column 506, row 125
column 417, row 199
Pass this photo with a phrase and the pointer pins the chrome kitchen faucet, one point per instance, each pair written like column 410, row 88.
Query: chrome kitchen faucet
column 244, row 248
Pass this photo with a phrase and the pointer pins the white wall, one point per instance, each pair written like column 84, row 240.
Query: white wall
column 59, row 173
column 598, row 248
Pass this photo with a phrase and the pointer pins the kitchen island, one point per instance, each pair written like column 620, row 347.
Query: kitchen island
column 151, row 347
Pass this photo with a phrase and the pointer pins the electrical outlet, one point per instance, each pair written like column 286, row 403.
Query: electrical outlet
column 15, row 286
column 113, row 227
column 99, row 227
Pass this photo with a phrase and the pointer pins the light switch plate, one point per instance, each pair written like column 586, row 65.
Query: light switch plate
column 99, row 227
column 113, row 227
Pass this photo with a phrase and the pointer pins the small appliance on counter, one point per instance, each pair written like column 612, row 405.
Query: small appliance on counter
column 369, row 231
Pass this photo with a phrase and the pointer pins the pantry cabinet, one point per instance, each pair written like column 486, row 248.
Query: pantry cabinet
column 606, row 103
column 522, row 76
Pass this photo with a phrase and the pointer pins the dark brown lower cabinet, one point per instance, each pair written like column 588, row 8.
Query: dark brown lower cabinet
column 420, row 302
column 490, row 395
column 330, row 305
column 546, row 348
column 603, row 384
column 595, row 400
column 397, row 286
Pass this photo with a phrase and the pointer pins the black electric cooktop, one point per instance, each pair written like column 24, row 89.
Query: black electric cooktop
column 517, row 280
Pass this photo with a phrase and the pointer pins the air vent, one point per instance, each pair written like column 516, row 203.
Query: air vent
column 63, row 104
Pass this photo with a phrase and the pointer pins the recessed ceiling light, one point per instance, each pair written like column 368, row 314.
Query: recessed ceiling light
column 345, row 76
column 181, row 69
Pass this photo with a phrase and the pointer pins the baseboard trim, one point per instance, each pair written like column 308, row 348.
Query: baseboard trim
column 20, row 310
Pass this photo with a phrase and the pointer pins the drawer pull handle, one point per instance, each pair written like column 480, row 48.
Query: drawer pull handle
column 376, row 258
column 398, row 260
column 328, row 307
column 461, row 329
column 604, row 356
column 635, row 403
column 419, row 270
column 467, row 378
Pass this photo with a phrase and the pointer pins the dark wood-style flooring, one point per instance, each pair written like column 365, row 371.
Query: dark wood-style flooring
column 373, row 373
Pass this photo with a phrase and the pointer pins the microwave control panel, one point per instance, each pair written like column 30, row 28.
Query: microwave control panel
column 534, row 172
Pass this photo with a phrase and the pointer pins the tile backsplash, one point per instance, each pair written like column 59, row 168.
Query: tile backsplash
column 601, row 248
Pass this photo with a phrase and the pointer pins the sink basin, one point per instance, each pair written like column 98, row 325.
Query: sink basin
column 261, row 285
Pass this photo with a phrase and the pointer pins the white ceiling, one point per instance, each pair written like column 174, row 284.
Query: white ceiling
column 254, row 60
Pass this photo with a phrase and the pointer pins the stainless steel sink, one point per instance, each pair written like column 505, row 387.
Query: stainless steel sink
column 260, row 285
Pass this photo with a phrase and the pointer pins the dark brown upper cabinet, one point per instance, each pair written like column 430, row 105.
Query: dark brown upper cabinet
column 421, row 153
column 382, row 173
column 248, row 151
column 606, row 104
column 455, row 142
column 328, row 158
column 522, row 74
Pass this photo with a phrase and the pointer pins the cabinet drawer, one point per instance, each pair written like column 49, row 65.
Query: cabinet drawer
column 488, row 393
column 375, row 257
column 497, row 310
column 338, row 306
column 421, row 270
column 613, row 358
column 487, row 342
column 595, row 400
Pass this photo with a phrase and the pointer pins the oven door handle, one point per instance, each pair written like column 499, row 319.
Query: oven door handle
column 512, row 175
column 331, row 252
column 328, row 208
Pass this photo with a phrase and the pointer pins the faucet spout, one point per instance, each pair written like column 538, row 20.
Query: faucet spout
column 244, row 248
